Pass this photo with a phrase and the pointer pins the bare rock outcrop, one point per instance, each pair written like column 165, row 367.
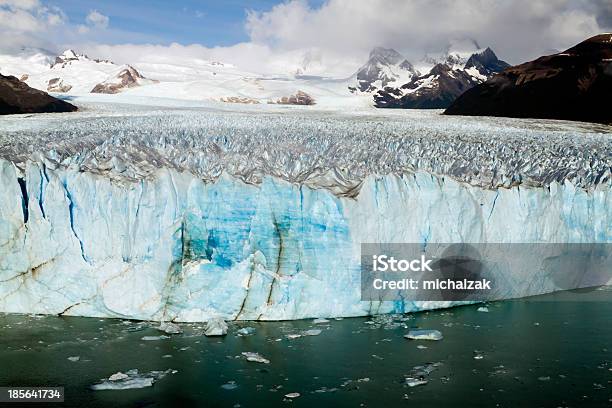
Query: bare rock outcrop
column 17, row 97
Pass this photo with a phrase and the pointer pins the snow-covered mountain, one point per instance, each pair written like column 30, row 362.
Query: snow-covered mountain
column 384, row 67
column 126, row 78
column 69, row 72
column 197, row 79
column 387, row 79
column 453, row 73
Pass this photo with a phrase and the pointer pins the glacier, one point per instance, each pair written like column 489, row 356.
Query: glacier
column 200, row 213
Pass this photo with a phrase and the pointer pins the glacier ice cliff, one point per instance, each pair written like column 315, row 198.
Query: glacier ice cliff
column 83, row 233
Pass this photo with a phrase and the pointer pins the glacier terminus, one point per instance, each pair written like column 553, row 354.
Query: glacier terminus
column 193, row 212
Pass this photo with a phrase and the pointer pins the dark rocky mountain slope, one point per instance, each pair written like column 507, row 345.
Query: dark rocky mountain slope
column 575, row 84
column 442, row 84
column 17, row 97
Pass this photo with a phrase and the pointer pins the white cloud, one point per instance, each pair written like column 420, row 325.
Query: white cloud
column 21, row 4
column 517, row 30
column 336, row 37
column 97, row 19
column 27, row 23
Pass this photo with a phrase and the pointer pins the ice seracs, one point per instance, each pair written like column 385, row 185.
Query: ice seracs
column 194, row 214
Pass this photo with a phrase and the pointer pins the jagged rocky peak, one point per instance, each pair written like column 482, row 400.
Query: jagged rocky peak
column 69, row 56
column 486, row 62
column 386, row 56
column 127, row 77
column 384, row 66
column 66, row 57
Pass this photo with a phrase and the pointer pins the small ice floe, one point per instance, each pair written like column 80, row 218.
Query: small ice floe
column 74, row 359
column 413, row 382
column 425, row 370
column 293, row 336
column 419, row 374
column 230, row 385
column 478, row 355
column 130, row 380
column 167, row 356
column 324, row 390
column 544, row 378
column 320, row 321
column 154, row 338
column 483, row 309
column 365, row 379
column 216, row 327
column 421, row 347
column 246, row 331
column 170, row 328
column 255, row 357
column 312, row 332
column 292, row 395
column 424, row 335
column 118, row 376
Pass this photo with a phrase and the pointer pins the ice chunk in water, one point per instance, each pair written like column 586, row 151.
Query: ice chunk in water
column 424, row 335
column 170, row 328
column 246, row 331
column 74, row 358
column 118, row 376
column 230, row 385
column 320, row 321
column 483, row 309
column 154, row 338
column 255, row 357
column 413, row 382
column 312, row 332
column 216, row 327
column 130, row 380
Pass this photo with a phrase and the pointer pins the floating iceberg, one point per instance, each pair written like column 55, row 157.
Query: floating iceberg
column 216, row 327
column 255, row 357
column 191, row 214
column 169, row 328
column 424, row 335
column 130, row 380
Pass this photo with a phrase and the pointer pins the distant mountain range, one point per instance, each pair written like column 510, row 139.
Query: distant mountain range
column 75, row 73
column 467, row 79
column 395, row 83
column 575, row 84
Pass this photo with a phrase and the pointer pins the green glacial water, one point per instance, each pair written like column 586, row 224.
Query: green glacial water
column 540, row 352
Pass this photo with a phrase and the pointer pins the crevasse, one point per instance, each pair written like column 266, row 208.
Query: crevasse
column 173, row 247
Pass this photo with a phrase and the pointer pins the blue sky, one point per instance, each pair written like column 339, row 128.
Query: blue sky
column 210, row 23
